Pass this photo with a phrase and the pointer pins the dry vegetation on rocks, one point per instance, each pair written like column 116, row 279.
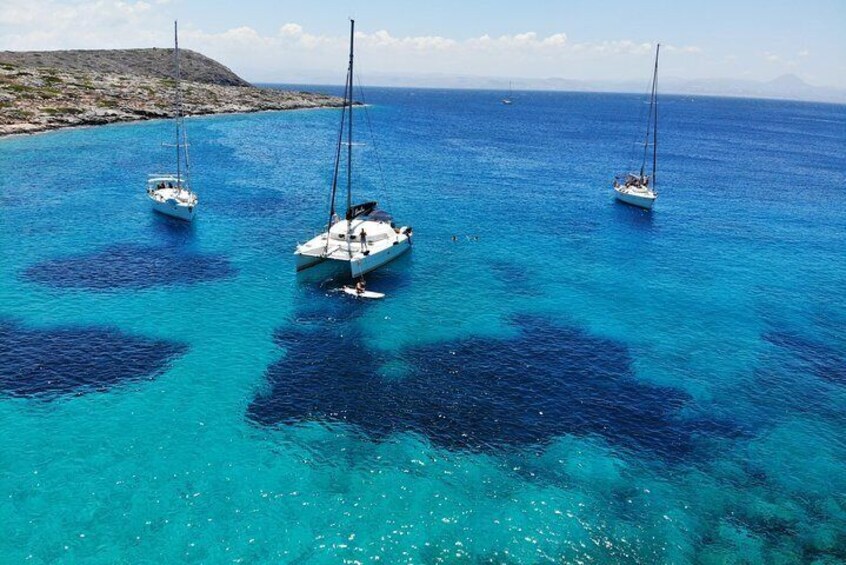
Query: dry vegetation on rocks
column 64, row 88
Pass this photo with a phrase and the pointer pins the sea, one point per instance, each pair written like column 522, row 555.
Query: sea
column 552, row 377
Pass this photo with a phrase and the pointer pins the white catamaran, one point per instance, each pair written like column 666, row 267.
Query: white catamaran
column 366, row 238
column 170, row 193
column 638, row 189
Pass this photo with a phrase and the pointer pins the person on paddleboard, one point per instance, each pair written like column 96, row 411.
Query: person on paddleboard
column 359, row 286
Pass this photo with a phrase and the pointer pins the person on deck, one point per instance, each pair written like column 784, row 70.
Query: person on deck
column 363, row 236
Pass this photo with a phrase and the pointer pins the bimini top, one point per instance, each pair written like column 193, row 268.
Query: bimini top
column 165, row 178
column 380, row 216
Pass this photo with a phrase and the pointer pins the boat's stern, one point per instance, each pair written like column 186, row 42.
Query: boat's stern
column 641, row 198
column 378, row 255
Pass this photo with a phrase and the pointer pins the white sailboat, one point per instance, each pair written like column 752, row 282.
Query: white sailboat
column 508, row 100
column 365, row 238
column 170, row 193
column 638, row 189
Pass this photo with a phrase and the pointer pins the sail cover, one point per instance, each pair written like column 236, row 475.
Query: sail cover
column 361, row 209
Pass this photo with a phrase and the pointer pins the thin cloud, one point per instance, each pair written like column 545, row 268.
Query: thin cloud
column 291, row 49
column 686, row 49
column 49, row 24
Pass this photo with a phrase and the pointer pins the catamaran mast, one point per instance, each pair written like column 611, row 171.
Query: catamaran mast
column 350, row 122
column 178, row 109
column 347, row 104
column 349, row 141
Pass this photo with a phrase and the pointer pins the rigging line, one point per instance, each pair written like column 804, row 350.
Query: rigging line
column 337, row 167
column 187, row 172
column 655, row 127
column 178, row 103
column 634, row 149
column 187, row 158
column 646, row 139
column 375, row 146
column 180, row 120
column 650, row 119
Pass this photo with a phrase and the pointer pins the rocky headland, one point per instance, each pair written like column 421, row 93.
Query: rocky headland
column 45, row 90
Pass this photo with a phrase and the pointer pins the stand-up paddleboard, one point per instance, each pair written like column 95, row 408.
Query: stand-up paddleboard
column 366, row 294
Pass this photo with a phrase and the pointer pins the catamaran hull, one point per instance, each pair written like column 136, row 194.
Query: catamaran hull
column 364, row 265
column 306, row 261
column 360, row 264
column 174, row 210
column 644, row 202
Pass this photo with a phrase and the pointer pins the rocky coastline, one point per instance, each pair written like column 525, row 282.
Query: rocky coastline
column 43, row 93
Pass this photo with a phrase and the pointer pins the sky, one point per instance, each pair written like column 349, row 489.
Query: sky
column 284, row 41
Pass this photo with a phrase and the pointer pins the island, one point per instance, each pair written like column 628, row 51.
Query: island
column 46, row 90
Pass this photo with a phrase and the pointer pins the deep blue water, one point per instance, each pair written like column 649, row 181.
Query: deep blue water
column 553, row 376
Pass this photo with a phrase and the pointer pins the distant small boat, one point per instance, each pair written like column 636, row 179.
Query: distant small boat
column 508, row 100
column 366, row 237
column 638, row 189
column 170, row 193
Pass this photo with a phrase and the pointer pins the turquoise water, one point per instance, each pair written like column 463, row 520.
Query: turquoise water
column 571, row 379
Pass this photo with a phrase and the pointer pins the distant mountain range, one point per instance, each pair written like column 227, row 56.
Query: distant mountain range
column 156, row 63
column 788, row 87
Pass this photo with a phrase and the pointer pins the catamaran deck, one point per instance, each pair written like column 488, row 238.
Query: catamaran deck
column 344, row 242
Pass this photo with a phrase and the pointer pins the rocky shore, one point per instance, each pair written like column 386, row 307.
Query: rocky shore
column 59, row 90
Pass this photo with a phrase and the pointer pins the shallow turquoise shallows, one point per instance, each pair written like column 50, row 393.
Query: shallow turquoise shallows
column 553, row 376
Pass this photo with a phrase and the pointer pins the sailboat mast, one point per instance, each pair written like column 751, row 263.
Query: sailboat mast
column 655, row 117
column 651, row 119
column 178, row 104
column 350, row 120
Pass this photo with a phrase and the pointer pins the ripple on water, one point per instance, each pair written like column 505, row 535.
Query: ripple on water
column 130, row 267
column 480, row 394
column 47, row 363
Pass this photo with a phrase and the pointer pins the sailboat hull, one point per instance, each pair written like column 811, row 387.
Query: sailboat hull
column 641, row 199
column 173, row 203
column 170, row 208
